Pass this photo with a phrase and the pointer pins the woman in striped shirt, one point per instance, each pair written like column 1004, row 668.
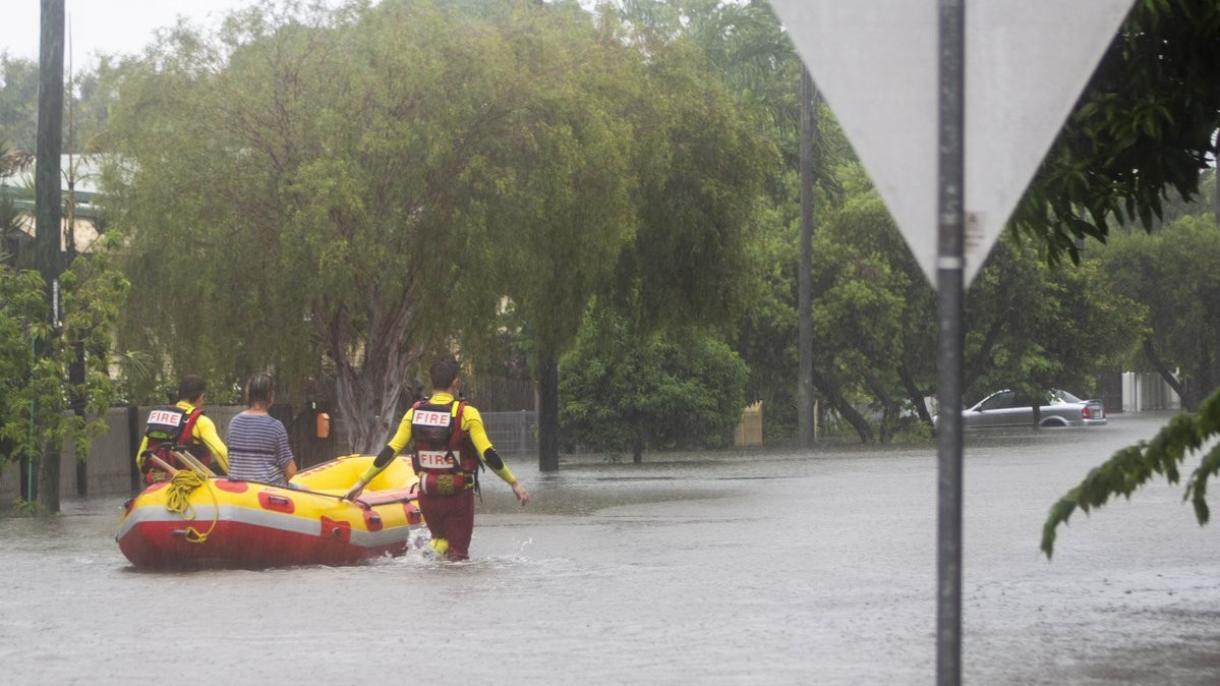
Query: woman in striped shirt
column 258, row 442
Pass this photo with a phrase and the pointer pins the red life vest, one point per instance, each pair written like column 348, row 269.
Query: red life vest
column 442, row 457
column 169, row 428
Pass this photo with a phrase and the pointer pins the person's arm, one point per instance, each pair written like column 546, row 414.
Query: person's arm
column 399, row 441
column 472, row 424
column 140, row 453
column 283, row 452
column 205, row 431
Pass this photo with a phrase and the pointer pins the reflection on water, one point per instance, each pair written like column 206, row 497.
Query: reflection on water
column 754, row 567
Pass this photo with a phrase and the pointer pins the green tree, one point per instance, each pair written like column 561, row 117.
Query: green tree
column 1034, row 326
column 18, row 101
column 672, row 208
column 366, row 210
column 746, row 45
column 626, row 393
column 34, row 411
column 325, row 208
column 1173, row 274
column 317, row 211
column 88, row 96
column 569, row 206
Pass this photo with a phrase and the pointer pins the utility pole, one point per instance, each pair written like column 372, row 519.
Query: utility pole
column 805, row 268
column 47, row 210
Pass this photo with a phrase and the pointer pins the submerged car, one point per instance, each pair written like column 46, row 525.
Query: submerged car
column 1010, row 408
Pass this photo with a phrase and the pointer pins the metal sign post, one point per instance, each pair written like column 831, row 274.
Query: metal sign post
column 949, row 292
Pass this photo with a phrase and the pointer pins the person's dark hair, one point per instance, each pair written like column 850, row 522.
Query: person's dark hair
column 191, row 387
column 443, row 373
column 260, row 389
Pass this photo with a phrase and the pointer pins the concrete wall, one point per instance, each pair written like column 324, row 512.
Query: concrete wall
column 1143, row 391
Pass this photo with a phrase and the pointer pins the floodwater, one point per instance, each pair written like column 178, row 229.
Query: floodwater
column 728, row 568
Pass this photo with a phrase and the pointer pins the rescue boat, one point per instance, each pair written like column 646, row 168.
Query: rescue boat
column 221, row 522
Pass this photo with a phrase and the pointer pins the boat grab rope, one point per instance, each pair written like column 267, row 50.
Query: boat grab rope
column 179, row 500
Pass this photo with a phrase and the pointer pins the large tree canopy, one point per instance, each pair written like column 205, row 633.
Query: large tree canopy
column 339, row 192
column 299, row 189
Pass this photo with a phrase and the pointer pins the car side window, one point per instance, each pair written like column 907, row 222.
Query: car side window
column 998, row 401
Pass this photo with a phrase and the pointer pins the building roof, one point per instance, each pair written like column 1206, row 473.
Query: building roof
column 86, row 174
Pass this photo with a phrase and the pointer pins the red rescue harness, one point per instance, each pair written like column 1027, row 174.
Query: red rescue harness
column 444, row 459
column 170, row 428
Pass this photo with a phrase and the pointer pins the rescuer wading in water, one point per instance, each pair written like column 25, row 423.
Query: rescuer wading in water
column 448, row 440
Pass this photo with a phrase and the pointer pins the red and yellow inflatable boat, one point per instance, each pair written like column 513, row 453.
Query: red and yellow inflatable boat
column 237, row 523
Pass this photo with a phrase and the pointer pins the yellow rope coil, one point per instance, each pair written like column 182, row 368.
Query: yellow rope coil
column 179, row 500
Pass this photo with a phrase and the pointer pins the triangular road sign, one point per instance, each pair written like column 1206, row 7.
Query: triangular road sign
column 876, row 63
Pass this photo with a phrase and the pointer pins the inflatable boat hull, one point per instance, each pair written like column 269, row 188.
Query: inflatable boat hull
column 252, row 524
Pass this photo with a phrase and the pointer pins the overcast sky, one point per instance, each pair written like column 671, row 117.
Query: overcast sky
column 105, row 26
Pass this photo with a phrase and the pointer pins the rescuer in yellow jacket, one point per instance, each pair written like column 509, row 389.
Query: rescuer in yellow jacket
column 182, row 426
column 448, row 443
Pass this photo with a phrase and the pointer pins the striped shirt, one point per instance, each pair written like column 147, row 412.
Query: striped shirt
column 258, row 449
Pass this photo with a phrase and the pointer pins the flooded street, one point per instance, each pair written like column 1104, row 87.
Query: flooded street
column 772, row 568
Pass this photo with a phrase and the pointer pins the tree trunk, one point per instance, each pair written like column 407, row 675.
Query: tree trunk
column 548, row 411
column 889, row 410
column 367, row 405
column 47, row 203
column 837, row 401
column 367, row 394
column 914, row 395
column 1203, row 381
column 637, row 443
column 982, row 361
column 1167, row 375
column 1036, row 406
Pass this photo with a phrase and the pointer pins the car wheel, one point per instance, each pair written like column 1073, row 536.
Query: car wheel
column 1053, row 423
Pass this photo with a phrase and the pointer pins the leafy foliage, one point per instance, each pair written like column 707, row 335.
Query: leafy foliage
column 336, row 206
column 1144, row 127
column 623, row 391
column 1029, row 325
column 702, row 166
column 35, row 403
column 1132, row 467
column 87, row 97
column 18, row 101
column 568, row 205
column 1172, row 274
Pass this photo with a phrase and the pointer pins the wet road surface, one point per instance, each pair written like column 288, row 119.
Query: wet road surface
column 728, row 568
